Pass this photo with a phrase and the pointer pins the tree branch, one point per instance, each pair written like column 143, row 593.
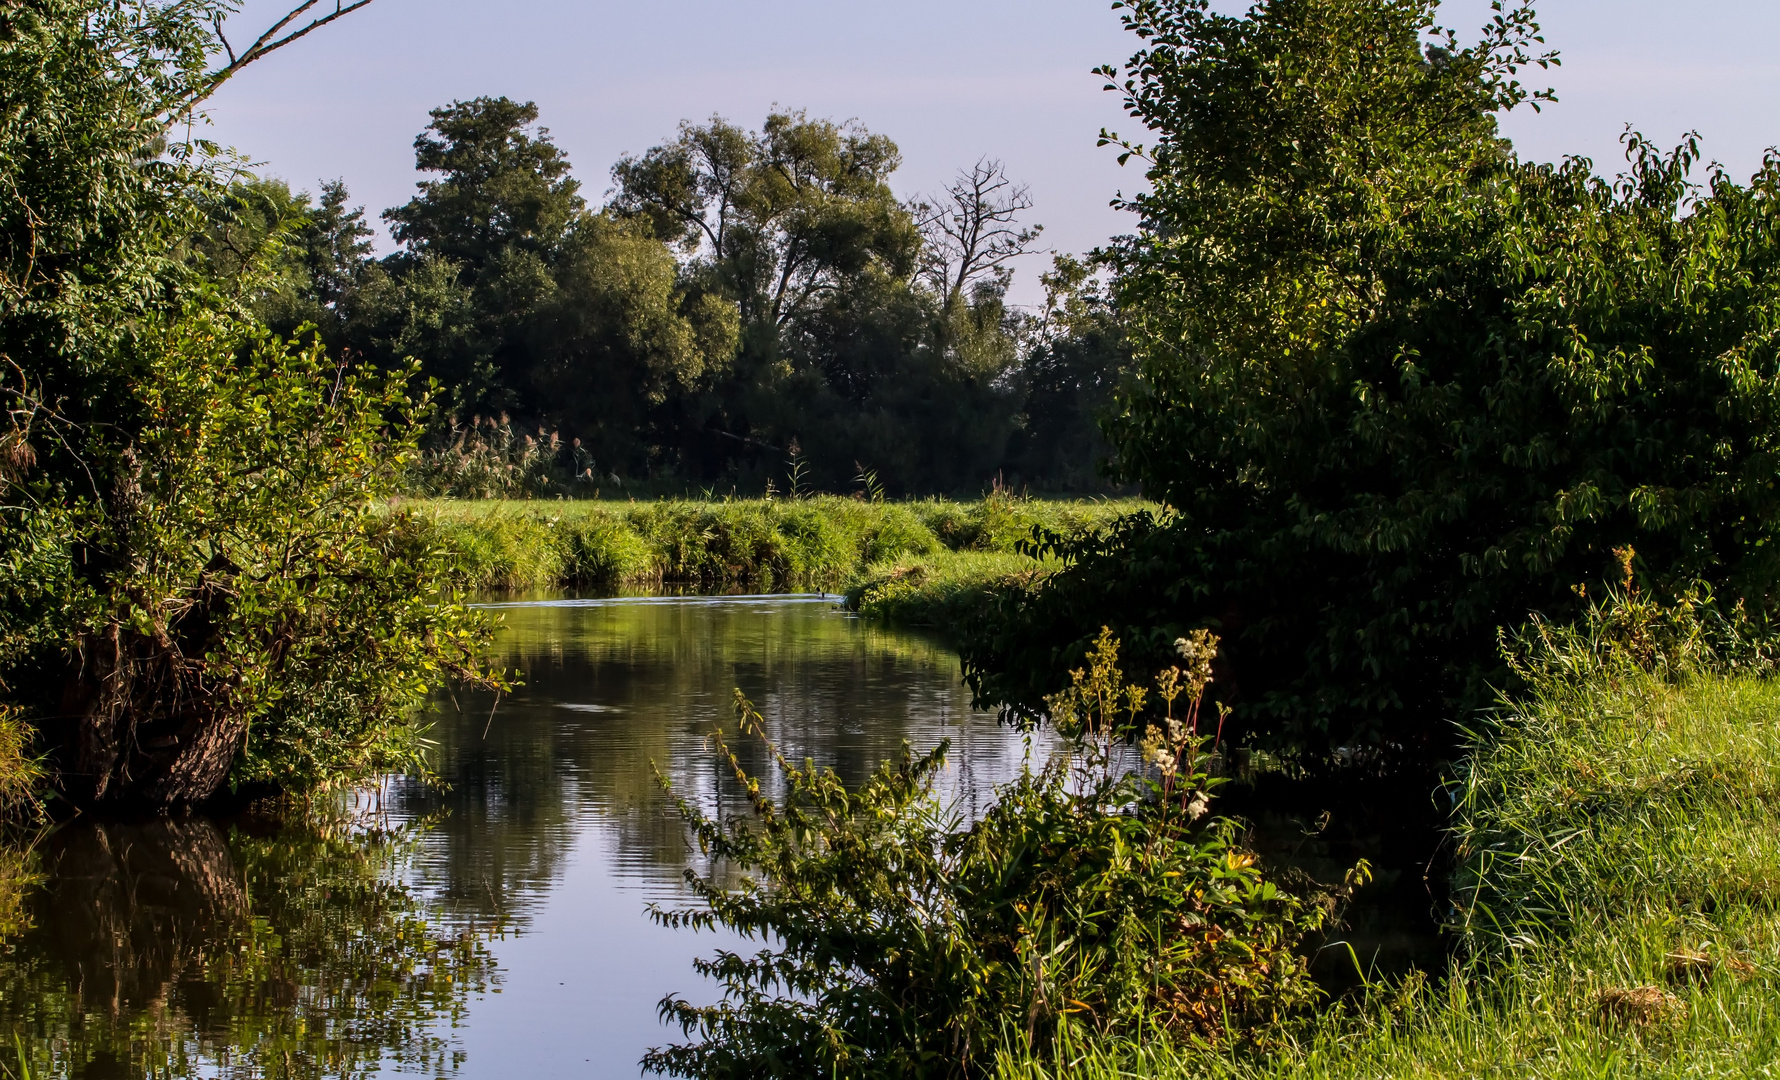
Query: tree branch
column 276, row 37
column 972, row 228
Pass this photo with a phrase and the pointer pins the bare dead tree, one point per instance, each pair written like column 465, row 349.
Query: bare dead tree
column 281, row 33
column 971, row 230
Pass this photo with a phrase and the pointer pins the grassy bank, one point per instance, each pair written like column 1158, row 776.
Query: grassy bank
column 825, row 541
column 1619, row 905
column 932, row 590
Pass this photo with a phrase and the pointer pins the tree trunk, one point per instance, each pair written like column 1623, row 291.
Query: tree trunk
column 142, row 727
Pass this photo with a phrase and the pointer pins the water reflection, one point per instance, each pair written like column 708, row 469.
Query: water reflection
column 553, row 819
column 492, row 927
column 192, row 947
column 616, row 687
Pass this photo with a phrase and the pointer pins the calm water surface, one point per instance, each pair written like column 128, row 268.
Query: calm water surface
column 493, row 927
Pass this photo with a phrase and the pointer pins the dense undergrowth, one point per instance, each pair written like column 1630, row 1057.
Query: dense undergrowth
column 822, row 541
column 903, row 941
column 1618, row 869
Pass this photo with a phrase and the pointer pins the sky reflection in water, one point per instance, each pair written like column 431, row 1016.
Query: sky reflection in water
column 554, row 822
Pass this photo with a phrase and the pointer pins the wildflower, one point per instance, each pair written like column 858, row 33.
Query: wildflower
column 1198, row 806
column 1157, row 749
column 1168, row 684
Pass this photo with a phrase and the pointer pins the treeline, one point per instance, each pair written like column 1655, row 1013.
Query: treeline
column 744, row 298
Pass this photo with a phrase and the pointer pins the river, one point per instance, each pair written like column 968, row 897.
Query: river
column 491, row 922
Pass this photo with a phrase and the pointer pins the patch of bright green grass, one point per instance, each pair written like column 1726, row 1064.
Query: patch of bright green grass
column 763, row 543
column 936, row 590
column 999, row 522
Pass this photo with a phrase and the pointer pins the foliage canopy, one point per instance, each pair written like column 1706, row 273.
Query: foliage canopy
column 1398, row 388
column 198, row 584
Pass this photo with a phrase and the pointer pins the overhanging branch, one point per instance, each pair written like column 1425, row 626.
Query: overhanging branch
column 281, row 33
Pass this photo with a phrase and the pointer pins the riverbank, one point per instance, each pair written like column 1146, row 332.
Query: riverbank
column 1617, row 901
column 820, row 542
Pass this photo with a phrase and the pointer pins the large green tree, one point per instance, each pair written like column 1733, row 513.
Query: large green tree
column 1074, row 356
column 199, row 585
column 517, row 298
column 482, row 238
column 1398, row 388
column 861, row 340
column 309, row 258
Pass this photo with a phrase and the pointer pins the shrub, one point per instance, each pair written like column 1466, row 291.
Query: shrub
column 21, row 773
column 196, row 586
column 246, row 613
column 909, row 944
column 478, row 461
column 603, row 550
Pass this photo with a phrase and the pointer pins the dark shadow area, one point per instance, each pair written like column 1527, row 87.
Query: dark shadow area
column 1322, row 827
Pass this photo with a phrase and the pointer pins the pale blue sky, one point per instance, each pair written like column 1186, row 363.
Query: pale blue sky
column 949, row 80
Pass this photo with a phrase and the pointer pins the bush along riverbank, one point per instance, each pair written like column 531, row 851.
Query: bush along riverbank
column 1088, row 899
column 816, row 542
column 1617, row 849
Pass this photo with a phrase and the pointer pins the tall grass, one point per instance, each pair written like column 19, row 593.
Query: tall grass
column 822, row 541
column 1618, row 901
column 935, row 590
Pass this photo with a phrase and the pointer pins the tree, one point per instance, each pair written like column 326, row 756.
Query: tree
column 1399, row 389
column 192, row 547
column 620, row 341
column 783, row 219
column 493, row 224
column 972, row 231
column 504, row 190
column 333, row 246
column 302, row 262
column 517, row 298
column 843, row 347
column 1072, row 361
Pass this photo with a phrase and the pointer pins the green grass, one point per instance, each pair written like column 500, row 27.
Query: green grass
column 816, row 542
column 934, row 590
column 1622, row 835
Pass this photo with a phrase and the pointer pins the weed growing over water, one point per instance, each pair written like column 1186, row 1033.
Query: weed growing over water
column 909, row 943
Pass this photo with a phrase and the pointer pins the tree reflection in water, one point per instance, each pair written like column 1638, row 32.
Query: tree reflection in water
column 616, row 688
column 190, row 947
